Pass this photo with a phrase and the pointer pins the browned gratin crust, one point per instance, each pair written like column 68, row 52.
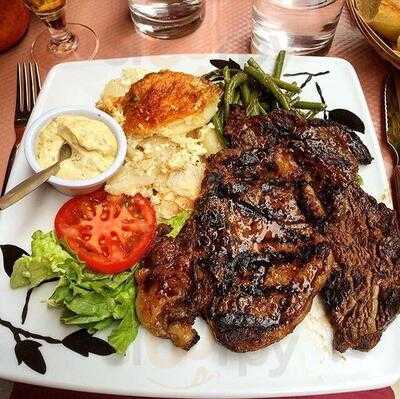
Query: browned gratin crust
column 168, row 100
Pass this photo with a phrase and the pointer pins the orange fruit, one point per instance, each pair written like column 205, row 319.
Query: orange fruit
column 14, row 18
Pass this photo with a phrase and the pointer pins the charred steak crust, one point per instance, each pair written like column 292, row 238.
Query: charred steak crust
column 264, row 262
column 278, row 211
column 165, row 289
column 363, row 293
column 330, row 150
column 249, row 260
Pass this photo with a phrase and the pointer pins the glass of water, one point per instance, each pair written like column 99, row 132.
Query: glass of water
column 167, row 19
column 299, row 26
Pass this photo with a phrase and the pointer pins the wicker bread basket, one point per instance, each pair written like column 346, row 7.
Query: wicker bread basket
column 380, row 46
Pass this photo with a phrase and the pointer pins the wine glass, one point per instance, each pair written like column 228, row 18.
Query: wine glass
column 62, row 41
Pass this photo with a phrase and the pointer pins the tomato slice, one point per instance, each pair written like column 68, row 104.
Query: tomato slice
column 109, row 233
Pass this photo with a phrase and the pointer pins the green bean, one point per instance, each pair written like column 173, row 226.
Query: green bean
column 227, row 79
column 236, row 81
column 310, row 114
column 298, row 113
column 314, row 106
column 293, row 100
column 227, row 74
column 265, row 106
column 280, row 83
column 255, row 107
column 230, row 90
column 252, row 62
column 280, row 59
column 261, row 109
column 252, row 109
column 236, row 99
column 266, row 80
column 245, row 93
column 292, row 87
column 218, row 122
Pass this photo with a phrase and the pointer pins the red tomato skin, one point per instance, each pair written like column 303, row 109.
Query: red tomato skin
column 70, row 212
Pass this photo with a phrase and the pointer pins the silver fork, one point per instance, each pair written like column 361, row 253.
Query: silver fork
column 28, row 87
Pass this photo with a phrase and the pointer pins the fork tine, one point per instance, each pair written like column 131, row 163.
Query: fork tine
column 33, row 82
column 18, row 100
column 28, row 94
column 19, row 105
column 37, row 75
column 28, row 88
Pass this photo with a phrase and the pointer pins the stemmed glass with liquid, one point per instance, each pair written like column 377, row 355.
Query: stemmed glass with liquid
column 62, row 41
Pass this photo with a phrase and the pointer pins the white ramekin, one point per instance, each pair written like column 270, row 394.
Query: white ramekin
column 75, row 187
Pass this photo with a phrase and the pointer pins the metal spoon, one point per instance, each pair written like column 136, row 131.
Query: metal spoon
column 36, row 180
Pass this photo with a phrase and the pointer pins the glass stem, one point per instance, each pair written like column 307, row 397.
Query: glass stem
column 62, row 41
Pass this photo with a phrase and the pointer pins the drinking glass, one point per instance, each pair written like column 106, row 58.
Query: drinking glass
column 167, row 19
column 62, row 41
column 299, row 26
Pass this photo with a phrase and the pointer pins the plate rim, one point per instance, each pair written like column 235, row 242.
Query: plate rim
column 384, row 381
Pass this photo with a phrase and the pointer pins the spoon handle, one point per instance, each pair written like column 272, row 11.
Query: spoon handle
column 27, row 186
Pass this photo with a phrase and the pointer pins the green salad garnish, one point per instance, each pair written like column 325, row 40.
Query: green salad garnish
column 88, row 300
column 177, row 222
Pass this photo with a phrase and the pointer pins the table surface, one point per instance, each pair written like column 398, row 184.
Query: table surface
column 226, row 29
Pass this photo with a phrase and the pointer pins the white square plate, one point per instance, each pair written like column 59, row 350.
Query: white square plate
column 302, row 363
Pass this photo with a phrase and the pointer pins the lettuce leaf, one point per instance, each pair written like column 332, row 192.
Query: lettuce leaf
column 87, row 299
column 47, row 256
column 177, row 222
column 126, row 332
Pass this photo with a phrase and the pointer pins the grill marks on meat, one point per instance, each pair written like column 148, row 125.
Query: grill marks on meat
column 329, row 150
column 277, row 213
column 347, row 137
column 255, row 132
column 248, row 261
column 363, row 293
column 258, row 257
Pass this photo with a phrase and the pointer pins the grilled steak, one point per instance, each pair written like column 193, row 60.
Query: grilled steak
column 277, row 213
column 363, row 293
column 164, row 302
column 249, row 260
column 259, row 262
column 327, row 149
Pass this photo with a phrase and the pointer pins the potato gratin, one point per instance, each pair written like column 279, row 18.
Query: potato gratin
column 166, row 117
